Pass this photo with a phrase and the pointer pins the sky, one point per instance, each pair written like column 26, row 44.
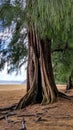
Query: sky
column 4, row 76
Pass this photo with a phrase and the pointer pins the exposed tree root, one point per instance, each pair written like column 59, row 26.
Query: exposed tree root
column 30, row 97
column 62, row 95
column 9, row 111
column 12, row 107
column 7, row 115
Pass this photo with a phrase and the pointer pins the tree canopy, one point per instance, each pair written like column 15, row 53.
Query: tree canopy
column 52, row 19
column 16, row 51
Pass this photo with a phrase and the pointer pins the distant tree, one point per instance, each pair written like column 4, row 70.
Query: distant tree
column 63, row 63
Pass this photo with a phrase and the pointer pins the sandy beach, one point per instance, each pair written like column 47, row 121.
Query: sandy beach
column 10, row 87
column 10, row 94
column 56, row 116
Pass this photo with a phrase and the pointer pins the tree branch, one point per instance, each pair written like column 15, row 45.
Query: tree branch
column 58, row 50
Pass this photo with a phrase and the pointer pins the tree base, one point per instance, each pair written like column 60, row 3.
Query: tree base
column 9, row 111
column 29, row 100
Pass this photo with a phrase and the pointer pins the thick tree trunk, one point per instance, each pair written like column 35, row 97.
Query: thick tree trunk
column 48, row 84
column 41, row 87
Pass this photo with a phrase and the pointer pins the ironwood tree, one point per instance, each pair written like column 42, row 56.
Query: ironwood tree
column 47, row 23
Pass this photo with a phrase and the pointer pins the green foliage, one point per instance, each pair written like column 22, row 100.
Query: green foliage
column 63, row 65
column 16, row 52
column 52, row 19
column 10, row 12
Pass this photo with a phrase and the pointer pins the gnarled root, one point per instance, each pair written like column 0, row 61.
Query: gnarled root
column 62, row 95
column 11, row 108
column 31, row 95
column 29, row 98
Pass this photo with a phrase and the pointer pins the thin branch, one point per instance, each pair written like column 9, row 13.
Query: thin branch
column 58, row 50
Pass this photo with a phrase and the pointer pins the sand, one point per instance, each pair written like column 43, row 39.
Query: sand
column 56, row 116
column 10, row 94
column 10, row 87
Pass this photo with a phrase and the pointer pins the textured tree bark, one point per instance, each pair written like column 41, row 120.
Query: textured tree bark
column 41, row 87
column 69, row 84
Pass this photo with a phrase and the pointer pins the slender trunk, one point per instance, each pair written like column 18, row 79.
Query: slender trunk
column 69, row 83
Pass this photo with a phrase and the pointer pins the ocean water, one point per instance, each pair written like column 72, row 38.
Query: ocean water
column 12, row 82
